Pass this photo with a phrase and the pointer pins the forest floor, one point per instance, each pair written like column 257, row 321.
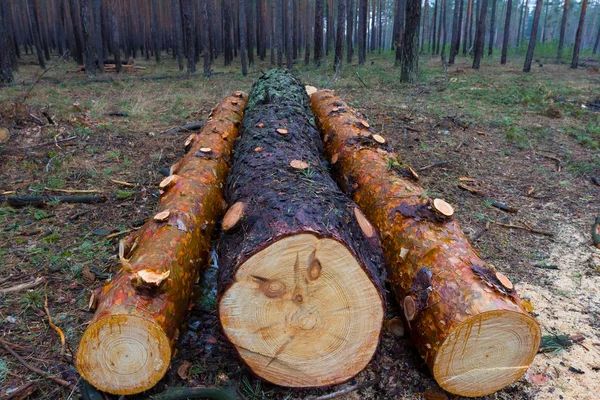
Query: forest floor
column 531, row 141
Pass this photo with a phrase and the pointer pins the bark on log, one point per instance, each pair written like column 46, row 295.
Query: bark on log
column 128, row 345
column 300, row 285
column 464, row 317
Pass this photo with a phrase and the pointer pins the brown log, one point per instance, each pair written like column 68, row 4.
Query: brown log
column 300, row 286
column 464, row 317
column 128, row 346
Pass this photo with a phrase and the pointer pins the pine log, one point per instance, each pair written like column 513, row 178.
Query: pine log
column 128, row 346
column 300, row 285
column 465, row 317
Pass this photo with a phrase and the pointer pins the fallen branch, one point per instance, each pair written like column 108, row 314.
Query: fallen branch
column 346, row 390
column 38, row 201
column 112, row 235
column 56, row 141
column 470, row 189
column 73, row 190
column 63, row 342
column 182, row 393
column 36, row 370
column 504, row 207
column 525, row 228
column 23, row 286
column 21, row 392
column 194, row 126
column 360, row 79
column 123, row 183
column 435, row 164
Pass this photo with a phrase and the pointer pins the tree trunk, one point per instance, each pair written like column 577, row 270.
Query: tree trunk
column 533, row 36
column 188, row 26
column 578, row 35
column 455, row 31
column 350, row 30
column 289, row 43
column 597, row 41
column 545, row 22
column 410, row 42
column 206, row 47
column 116, row 39
column 243, row 38
column 443, row 29
column 250, row 30
column 6, row 75
column 176, row 10
column 480, row 34
column 506, row 32
column 339, row 40
column 300, row 290
column 97, row 10
column 373, row 30
column 424, row 36
column 492, row 28
column 88, row 44
column 154, row 31
column 318, row 32
column 262, row 27
column 432, row 42
column 37, row 38
column 362, row 30
column 467, row 26
column 399, row 15
column 280, row 23
column 127, row 347
column 464, row 317
column 227, row 32
column 307, row 32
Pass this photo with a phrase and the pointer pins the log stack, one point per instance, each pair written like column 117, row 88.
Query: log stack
column 128, row 346
column 464, row 316
column 300, row 285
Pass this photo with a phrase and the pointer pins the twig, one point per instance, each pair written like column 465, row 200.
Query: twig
column 112, row 235
column 56, row 328
column 457, row 148
column 360, row 79
column 47, row 143
column 73, row 190
column 525, row 228
column 2, row 280
column 435, row 164
column 346, row 390
column 194, row 126
column 21, row 392
column 23, row 286
column 123, row 183
column 34, row 369
column 558, row 160
column 544, row 266
column 470, row 189
column 408, row 128
column 78, row 214
column 19, row 201
column 481, row 232
column 504, row 207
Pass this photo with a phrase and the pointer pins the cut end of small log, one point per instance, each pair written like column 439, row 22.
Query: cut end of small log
column 413, row 173
column 379, row 139
column 298, row 164
column 233, row 215
column 364, row 223
column 334, row 158
column 300, row 309
column 442, row 208
column 282, row 131
column 205, row 150
column 496, row 348
column 310, row 89
column 410, row 308
column 162, row 216
column 190, row 140
column 396, row 326
column 150, row 279
column 365, row 123
column 504, row 281
column 168, row 182
column 123, row 354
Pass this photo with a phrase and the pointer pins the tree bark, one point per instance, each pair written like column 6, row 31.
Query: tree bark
column 318, row 32
column 289, row 43
column 300, row 290
column 533, row 37
column 6, row 75
column 243, row 38
column 339, row 40
column 37, row 38
column 452, row 301
column 432, row 42
column 467, row 26
column 116, row 39
column 350, row 31
column 455, row 31
column 410, row 42
column 227, row 32
column 139, row 313
column 188, row 26
column 597, row 41
column 480, row 35
column 362, row 30
column 492, row 28
column 506, row 32
column 154, row 31
column 206, row 47
column 578, row 35
column 176, row 10
column 250, row 30
column 307, row 32
column 88, row 44
column 399, row 15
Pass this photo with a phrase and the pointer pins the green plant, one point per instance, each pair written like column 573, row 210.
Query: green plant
column 254, row 392
column 40, row 214
column 52, row 238
column 32, row 299
column 4, row 368
column 124, row 194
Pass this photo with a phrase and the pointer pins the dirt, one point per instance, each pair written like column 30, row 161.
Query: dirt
column 539, row 164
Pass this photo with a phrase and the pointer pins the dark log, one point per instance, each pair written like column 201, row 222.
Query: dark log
column 40, row 201
column 300, row 284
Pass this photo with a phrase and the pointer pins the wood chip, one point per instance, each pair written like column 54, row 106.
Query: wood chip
column 298, row 164
column 168, row 181
column 162, row 216
column 310, row 89
column 258, row 149
column 365, row 123
column 410, row 308
column 282, row 131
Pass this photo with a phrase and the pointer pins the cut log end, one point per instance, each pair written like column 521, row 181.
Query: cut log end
column 123, row 354
column 298, row 164
column 168, row 182
column 441, row 207
column 487, row 352
column 300, row 309
column 379, row 139
column 233, row 215
column 310, row 89
column 364, row 223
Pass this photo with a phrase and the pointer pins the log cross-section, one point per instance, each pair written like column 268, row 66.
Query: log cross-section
column 300, row 285
column 465, row 318
column 128, row 346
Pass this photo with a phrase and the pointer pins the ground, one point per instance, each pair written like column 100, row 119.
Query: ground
column 530, row 141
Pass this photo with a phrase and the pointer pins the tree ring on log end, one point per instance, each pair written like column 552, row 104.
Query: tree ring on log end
column 504, row 281
column 364, row 223
column 123, row 354
column 486, row 352
column 233, row 215
column 322, row 330
column 310, row 90
column 441, row 207
column 168, row 182
column 410, row 308
column 379, row 139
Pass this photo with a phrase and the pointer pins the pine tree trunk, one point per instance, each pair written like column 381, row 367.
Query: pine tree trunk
column 243, row 38
column 88, row 44
column 492, row 28
column 178, row 37
column 97, row 34
column 467, row 26
column 206, row 47
column 250, row 30
column 308, row 30
column 379, row 26
column 116, row 39
column 37, row 38
column 289, row 42
column 227, row 28
column 443, row 30
column 127, row 347
column 432, row 42
column 6, row 75
column 362, row 30
column 455, row 31
column 533, row 37
column 465, row 318
column 280, row 23
column 318, row 32
column 262, row 26
column 350, row 31
column 480, row 34
column 597, row 41
column 399, row 15
column 154, row 31
column 339, row 40
column 579, row 35
column 188, row 27
column 300, row 290
column 424, row 36
column 373, row 30
column 410, row 42
column 506, row 32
